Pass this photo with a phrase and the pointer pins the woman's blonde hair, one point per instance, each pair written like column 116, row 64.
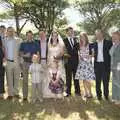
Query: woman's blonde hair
column 86, row 38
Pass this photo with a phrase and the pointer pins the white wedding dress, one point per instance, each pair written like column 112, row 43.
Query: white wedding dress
column 52, row 51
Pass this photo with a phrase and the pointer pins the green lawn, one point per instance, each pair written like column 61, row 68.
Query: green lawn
column 74, row 108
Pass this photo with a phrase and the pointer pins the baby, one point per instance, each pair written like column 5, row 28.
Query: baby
column 36, row 72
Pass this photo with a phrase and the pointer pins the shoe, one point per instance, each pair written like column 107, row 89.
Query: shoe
column 99, row 98
column 89, row 97
column 107, row 98
column 85, row 96
column 77, row 94
column 17, row 96
column 9, row 97
column 67, row 95
column 25, row 99
column 41, row 100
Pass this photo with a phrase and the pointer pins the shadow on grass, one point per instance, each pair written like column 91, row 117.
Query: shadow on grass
column 16, row 110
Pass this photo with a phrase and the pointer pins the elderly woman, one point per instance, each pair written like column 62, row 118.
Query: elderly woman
column 115, row 65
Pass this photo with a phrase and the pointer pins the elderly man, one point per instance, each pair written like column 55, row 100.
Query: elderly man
column 12, row 57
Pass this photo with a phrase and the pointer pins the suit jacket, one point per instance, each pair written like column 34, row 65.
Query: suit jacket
column 116, row 57
column 107, row 44
column 73, row 52
column 39, row 42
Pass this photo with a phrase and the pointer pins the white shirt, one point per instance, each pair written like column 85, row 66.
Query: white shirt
column 36, row 71
column 43, row 49
column 100, row 57
column 9, row 47
column 72, row 44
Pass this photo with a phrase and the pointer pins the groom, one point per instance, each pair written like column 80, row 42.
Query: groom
column 72, row 62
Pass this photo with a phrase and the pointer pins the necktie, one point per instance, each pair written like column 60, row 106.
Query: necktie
column 71, row 42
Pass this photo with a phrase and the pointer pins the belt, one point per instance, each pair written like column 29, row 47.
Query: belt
column 43, row 58
column 10, row 60
column 100, row 62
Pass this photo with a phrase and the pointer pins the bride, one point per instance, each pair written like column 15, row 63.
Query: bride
column 55, row 55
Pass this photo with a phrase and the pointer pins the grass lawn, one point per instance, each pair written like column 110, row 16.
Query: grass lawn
column 74, row 108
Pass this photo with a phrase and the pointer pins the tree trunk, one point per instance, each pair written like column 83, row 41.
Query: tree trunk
column 17, row 19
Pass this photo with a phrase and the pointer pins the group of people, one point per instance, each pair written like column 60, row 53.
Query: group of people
column 54, row 62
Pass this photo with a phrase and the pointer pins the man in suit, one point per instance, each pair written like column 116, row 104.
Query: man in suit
column 102, row 63
column 43, row 45
column 12, row 57
column 72, row 61
column 2, row 68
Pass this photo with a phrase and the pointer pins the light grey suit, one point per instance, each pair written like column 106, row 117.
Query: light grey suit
column 115, row 66
column 13, row 68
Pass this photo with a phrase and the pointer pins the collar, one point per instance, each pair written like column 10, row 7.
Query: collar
column 30, row 41
column 69, row 38
column 11, row 38
column 100, row 41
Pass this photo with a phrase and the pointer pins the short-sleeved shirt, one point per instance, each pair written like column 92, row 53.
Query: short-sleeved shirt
column 36, row 70
column 29, row 47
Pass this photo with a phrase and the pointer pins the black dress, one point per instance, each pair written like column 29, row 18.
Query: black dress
column 2, row 71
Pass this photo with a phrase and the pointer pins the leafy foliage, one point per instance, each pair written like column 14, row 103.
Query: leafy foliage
column 100, row 14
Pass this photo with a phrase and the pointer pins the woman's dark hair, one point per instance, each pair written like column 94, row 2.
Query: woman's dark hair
column 51, row 41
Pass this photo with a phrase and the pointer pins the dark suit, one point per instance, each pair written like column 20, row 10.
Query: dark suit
column 102, row 69
column 71, row 66
column 39, row 42
column 2, row 71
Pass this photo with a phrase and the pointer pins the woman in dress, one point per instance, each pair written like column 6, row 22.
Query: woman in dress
column 115, row 66
column 2, row 90
column 85, row 70
column 55, row 54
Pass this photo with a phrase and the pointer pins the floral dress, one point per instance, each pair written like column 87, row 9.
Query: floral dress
column 85, row 70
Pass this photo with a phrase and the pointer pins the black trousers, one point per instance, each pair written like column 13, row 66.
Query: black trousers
column 70, row 75
column 102, row 73
column 2, row 73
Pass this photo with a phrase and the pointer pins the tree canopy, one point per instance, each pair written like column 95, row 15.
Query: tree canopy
column 99, row 14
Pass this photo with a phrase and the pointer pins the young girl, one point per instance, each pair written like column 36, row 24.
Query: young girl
column 36, row 71
column 56, row 84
